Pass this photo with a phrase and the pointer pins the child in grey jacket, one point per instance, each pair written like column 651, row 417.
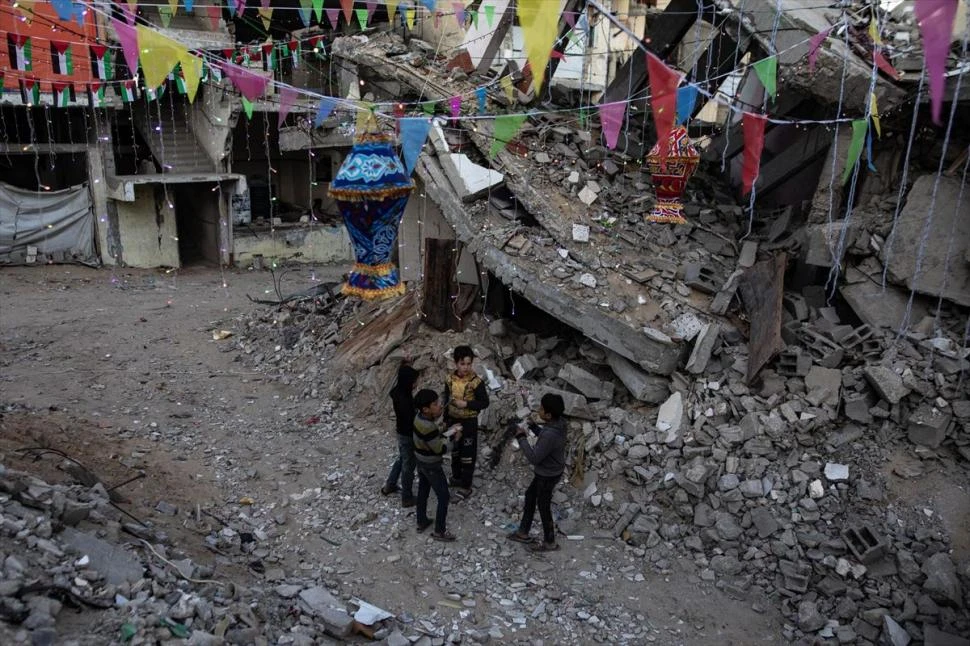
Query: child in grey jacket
column 548, row 459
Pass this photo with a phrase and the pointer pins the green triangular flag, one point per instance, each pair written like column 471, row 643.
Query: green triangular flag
column 505, row 128
column 428, row 107
column 361, row 17
column 489, row 13
column 767, row 71
column 474, row 15
column 318, row 9
column 247, row 107
column 859, row 127
column 165, row 13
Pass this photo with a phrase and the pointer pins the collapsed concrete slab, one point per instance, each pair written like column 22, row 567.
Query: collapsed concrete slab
column 928, row 250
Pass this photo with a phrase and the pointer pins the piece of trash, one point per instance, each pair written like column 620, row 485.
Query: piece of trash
column 575, row 537
column 246, row 500
column 219, row 335
column 128, row 631
column 177, row 629
column 369, row 614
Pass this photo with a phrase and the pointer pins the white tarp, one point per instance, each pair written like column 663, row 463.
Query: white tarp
column 58, row 224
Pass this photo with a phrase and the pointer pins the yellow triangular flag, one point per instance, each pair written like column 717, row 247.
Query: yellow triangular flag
column 265, row 14
column 874, row 113
column 540, row 26
column 506, row 83
column 874, row 32
column 366, row 121
column 174, row 6
column 158, row 55
column 26, row 9
column 409, row 16
column 391, row 8
column 192, row 71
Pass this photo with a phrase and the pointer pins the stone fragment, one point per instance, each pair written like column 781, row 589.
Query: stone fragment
column 524, row 366
column 586, row 196
column 826, row 380
column 941, row 582
column 809, row 618
column 928, row 425
column 895, row 634
column 670, row 417
column 764, row 521
column 703, row 347
column 933, row 636
column 886, row 383
column 643, row 386
column 835, row 472
column 115, row 563
column 585, row 382
column 318, row 599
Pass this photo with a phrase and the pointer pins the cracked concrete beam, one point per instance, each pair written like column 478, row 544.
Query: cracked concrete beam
column 627, row 341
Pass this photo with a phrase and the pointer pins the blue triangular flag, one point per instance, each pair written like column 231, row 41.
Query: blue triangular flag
column 480, row 95
column 869, row 151
column 78, row 10
column 323, row 110
column 686, row 98
column 429, row 4
column 64, row 9
column 304, row 15
column 414, row 130
column 188, row 5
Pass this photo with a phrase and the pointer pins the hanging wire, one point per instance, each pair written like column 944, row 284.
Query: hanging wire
column 928, row 222
column 887, row 259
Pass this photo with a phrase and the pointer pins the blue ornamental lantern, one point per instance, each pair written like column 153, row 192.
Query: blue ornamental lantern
column 371, row 189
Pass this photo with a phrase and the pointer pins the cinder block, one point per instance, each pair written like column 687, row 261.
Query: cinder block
column 864, row 543
column 701, row 277
column 796, row 576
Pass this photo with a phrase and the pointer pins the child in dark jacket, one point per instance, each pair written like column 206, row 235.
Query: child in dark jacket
column 403, row 468
column 430, row 445
column 548, row 459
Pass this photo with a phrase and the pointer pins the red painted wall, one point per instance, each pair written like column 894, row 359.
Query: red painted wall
column 44, row 27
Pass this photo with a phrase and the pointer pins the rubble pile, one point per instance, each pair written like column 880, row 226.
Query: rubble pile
column 66, row 549
column 775, row 491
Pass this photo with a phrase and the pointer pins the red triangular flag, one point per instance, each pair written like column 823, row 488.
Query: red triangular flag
column 754, row 140
column 663, row 96
column 884, row 65
column 214, row 12
column 348, row 7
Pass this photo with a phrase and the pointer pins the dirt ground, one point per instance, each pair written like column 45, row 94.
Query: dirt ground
column 120, row 371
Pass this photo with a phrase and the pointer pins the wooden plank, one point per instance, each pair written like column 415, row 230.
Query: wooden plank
column 440, row 286
column 762, row 288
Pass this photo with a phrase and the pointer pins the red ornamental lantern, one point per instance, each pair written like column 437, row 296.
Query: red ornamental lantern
column 670, row 173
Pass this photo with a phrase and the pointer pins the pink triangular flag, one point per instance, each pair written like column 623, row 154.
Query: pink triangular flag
column 371, row 6
column 240, row 7
column 884, row 64
column 129, row 44
column 249, row 85
column 459, row 13
column 437, row 19
column 333, row 15
column 570, row 18
column 611, row 118
column 215, row 15
column 813, row 44
column 935, row 18
column 287, row 99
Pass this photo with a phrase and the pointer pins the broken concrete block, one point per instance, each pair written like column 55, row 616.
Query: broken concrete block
column 113, row 561
column 886, row 382
column 941, row 582
column 586, row 196
column 586, row 383
column 927, row 425
column 524, row 366
column 318, row 599
column 703, row 347
column 836, row 472
column 686, row 326
column 826, row 380
column 580, row 233
column 337, row 622
column 933, row 636
column 863, row 542
column 498, row 327
column 670, row 417
column 701, row 278
column 749, row 254
column 792, row 362
column 643, row 386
